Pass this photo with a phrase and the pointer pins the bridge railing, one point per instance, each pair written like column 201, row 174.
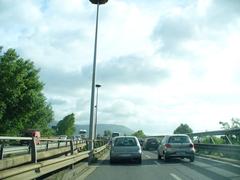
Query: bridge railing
column 227, row 149
column 32, row 147
column 42, row 161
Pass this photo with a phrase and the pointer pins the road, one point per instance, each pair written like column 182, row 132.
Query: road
column 176, row 169
column 25, row 148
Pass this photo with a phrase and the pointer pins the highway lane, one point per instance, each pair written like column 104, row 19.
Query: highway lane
column 25, row 148
column 176, row 169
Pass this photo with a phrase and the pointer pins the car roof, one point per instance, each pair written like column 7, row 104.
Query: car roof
column 176, row 135
column 125, row 137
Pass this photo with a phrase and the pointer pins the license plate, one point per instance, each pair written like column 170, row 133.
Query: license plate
column 181, row 153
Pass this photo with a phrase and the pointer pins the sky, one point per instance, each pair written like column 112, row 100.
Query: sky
column 160, row 62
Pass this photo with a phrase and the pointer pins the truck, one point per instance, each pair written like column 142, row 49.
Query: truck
column 31, row 133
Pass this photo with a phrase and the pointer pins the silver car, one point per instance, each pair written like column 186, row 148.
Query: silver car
column 176, row 146
column 125, row 148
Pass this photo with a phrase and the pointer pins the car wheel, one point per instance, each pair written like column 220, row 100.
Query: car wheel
column 111, row 161
column 165, row 158
column 191, row 158
column 139, row 161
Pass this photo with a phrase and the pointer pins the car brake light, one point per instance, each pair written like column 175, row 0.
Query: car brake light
column 191, row 145
column 168, row 145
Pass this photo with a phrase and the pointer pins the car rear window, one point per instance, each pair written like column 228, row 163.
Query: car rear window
column 125, row 142
column 152, row 140
column 178, row 139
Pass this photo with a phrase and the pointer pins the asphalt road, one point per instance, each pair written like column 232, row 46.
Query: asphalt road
column 176, row 169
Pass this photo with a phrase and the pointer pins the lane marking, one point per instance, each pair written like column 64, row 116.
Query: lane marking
column 157, row 163
column 149, row 157
column 175, row 176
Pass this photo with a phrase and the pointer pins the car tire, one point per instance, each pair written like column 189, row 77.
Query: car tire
column 112, row 161
column 139, row 161
column 159, row 156
column 165, row 158
column 191, row 158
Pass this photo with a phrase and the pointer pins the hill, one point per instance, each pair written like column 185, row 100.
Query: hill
column 102, row 127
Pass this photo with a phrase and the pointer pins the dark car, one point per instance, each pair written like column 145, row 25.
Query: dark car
column 176, row 146
column 150, row 144
column 141, row 141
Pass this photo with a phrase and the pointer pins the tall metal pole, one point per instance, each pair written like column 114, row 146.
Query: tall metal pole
column 91, row 125
column 96, row 111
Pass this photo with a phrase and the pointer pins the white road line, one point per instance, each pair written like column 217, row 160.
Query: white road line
column 175, row 176
column 156, row 162
column 149, row 157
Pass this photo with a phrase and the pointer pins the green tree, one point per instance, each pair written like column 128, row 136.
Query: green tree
column 139, row 134
column 183, row 129
column 235, row 124
column 66, row 126
column 107, row 133
column 22, row 103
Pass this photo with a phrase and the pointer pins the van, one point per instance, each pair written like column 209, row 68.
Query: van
column 115, row 134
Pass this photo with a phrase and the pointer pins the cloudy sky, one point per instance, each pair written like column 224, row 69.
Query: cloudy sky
column 160, row 62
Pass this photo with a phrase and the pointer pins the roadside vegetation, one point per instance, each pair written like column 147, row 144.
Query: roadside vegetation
column 22, row 102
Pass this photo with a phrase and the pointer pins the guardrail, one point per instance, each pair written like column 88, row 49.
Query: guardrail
column 224, row 150
column 228, row 150
column 32, row 148
column 226, row 133
column 48, row 154
column 38, row 169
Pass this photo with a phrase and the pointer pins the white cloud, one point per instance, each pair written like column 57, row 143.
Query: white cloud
column 161, row 63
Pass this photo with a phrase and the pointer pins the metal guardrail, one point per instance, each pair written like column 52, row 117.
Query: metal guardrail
column 219, row 132
column 38, row 168
column 32, row 147
column 223, row 149
column 35, row 170
column 226, row 133
column 228, row 150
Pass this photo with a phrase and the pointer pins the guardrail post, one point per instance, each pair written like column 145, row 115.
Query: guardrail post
column 212, row 140
column 33, row 150
column 47, row 145
column 229, row 141
column 59, row 144
column 1, row 151
column 72, row 147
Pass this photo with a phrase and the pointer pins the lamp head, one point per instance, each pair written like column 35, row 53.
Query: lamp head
column 98, row 1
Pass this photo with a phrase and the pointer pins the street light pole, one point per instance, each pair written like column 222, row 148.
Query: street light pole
column 91, row 125
column 96, row 111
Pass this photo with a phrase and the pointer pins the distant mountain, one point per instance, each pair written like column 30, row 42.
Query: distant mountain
column 102, row 127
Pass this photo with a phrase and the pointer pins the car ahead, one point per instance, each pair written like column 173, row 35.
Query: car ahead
column 176, row 146
column 150, row 144
column 115, row 134
column 76, row 138
column 63, row 137
column 31, row 133
column 125, row 148
column 141, row 141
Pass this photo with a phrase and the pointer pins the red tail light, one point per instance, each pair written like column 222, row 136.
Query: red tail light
column 191, row 145
column 168, row 145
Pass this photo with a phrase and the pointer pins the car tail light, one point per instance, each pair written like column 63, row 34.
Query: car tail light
column 168, row 145
column 191, row 145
